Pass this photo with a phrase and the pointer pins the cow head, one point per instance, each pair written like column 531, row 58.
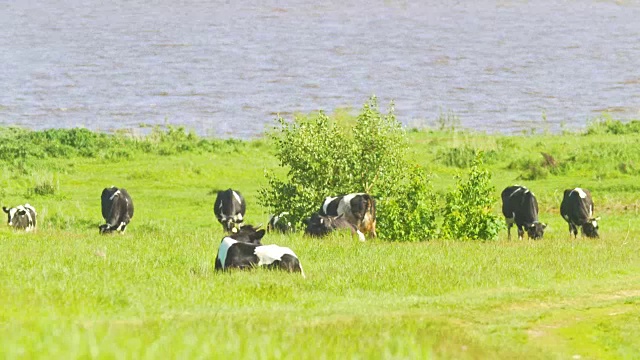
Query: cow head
column 590, row 228
column 536, row 230
column 10, row 212
column 280, row 222
column 105, row 229
column 318, row 225
column 232, row 226
column 248, row 234
column 17, row 216
column 21, row 217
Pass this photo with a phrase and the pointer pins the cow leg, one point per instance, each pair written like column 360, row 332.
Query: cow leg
column 520, row 233
column 574, row 229
column 509, row 222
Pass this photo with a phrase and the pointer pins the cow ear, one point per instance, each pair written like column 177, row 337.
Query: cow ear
column 597, row 219
column 4, row 208
column 544, row 226
column 259, row 234
column 532, row 226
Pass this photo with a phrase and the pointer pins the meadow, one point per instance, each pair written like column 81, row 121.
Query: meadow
column 68, row 292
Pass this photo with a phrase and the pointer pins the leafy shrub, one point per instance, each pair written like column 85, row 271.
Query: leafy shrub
column 411, row 214
column 607, row 125
column 117, row 154
column 468, row 208
column 325, row 158
column 532, row 170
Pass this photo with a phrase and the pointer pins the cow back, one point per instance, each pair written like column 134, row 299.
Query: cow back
column 576, row 206
column 519, row 204
column 21, row 217
column 117, row 208
column 229, row 203
column 357, row 208
column 106, row 200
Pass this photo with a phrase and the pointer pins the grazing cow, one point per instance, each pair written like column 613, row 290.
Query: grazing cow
column 230, row 209
column 243, row 250
column 520, row 206
column 117, row 209
column 577, row 210
column 21, row 217
column 321, row 225
column 280, row 223
column 358, row 209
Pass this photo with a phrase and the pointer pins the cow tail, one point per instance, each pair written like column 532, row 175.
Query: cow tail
column 371, row 206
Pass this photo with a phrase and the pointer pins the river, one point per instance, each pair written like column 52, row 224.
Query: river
column 227, row 68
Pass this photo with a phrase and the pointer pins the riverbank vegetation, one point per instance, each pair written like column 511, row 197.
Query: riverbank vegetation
column 68, row 292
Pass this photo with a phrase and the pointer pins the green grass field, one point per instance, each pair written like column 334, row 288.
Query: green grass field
column 67, row 292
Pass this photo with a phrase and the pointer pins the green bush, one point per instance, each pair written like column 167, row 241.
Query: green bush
column 326, row 158
column 411, row 214
column 467, row 212
column 607, row 125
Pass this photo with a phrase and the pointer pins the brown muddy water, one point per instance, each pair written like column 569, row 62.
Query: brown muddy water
column 225, row 68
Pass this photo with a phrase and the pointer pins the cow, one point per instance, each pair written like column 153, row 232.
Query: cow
column 577, row 209
column 243, row 250
column 21, row 217
column 117, row 209
column 358, row 209
column 229, row 209
column 280, row 223
column 520, row 207
column 321, row 225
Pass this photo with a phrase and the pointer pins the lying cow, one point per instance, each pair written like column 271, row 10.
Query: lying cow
column 358, row 209
column 577, row 210
column 520, row 207
column 321, row 225
column 243, row 250
column 117, row 209
column 229, row 209
column 280, row 223
column 21, row 217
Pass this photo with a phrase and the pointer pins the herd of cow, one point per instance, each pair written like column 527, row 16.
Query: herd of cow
column 242, row 248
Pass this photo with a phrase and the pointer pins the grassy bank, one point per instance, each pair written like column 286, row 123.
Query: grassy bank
column 152, row 293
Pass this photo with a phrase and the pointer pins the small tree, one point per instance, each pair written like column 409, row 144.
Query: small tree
column 325, row 159
column 468, row 208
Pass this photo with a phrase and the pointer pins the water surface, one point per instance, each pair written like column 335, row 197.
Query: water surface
column 226, row 68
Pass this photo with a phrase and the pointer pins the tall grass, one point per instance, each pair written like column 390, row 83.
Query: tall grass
column 67, row 292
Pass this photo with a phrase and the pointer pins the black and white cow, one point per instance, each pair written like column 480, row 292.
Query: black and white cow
column 243, row 250
column 358, row 209
column 117, row 209
column 577, row 209
column 280, row 223
column 21, row 217
column 229, row 209
column 519, row 206
column 321, row 225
